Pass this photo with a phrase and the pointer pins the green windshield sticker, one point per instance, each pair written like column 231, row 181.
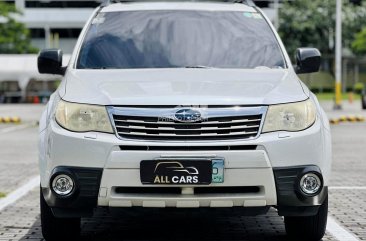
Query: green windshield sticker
column 253, row 15
column 248, row 15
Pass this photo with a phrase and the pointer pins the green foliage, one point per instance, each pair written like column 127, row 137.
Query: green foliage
column 2, row 195
column 14, row 37
column 311, row 23
column 359, row 45
column 359, row 87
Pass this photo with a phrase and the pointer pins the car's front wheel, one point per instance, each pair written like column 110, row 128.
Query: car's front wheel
column 309, row 228
column 57, row 228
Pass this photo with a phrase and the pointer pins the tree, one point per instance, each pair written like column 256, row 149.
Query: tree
column 14, row 37
column 359, row 45
column 311, row 23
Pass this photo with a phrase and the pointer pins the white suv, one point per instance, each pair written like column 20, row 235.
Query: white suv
column 183, row 105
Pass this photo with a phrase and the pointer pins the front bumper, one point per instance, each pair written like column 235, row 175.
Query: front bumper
column 243, row 168
column 236, row 192
column 262, row 192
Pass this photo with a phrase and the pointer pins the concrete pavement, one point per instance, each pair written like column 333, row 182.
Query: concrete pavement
column 27, row 112
column 348, row 109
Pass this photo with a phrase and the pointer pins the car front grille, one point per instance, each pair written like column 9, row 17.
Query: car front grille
column 158, row 124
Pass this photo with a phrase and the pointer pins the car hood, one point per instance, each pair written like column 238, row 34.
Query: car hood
column 182, row 87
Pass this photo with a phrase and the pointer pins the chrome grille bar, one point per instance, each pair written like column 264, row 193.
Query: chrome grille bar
column 177, row 123
column 194, row 129
column 175, row 135
column 159, row 124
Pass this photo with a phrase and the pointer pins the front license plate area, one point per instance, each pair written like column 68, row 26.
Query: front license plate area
column 176, row 172
column 218, row 166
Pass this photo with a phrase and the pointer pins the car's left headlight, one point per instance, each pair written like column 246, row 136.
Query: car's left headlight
column 290, row 117
column 82, row 117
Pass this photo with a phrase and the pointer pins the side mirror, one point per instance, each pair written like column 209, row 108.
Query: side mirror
column 50, row 62
column 307, row 60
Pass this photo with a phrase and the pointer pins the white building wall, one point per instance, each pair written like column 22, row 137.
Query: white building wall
column 51, row 18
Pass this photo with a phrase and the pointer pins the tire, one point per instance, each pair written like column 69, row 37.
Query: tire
column 363, row 100
column 311, row 228
column 55, row 229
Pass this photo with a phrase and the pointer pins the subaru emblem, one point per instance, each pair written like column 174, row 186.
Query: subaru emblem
column 188, row 115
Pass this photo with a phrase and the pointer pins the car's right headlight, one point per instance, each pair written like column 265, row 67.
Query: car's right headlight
column 83, row 117
column 290, row 117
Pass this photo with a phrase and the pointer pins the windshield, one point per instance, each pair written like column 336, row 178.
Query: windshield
column 179, row 39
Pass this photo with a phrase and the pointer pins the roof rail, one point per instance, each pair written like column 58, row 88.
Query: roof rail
column 247, row 2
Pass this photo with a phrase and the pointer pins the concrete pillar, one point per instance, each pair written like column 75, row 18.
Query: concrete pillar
column 48, row 38
column 56, row 40
column 344, row 75
column 357, row 72
column 276, row 6
column 20, row 4
column 23, row 83
column 339, row 47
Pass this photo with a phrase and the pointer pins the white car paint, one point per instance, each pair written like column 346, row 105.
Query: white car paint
column 59, row 147
column 182, row 87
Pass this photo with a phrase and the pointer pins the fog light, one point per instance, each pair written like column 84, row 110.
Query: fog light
column 63, row 185
column 310, row 184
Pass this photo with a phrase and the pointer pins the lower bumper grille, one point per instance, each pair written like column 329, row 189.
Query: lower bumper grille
column 189, row 148
column 178, row 190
